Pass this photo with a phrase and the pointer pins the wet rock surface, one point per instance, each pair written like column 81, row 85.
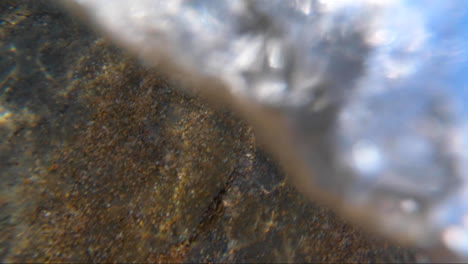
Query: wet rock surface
column 103, row 160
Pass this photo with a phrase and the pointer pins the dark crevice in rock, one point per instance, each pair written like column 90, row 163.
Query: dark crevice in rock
column 214, row 211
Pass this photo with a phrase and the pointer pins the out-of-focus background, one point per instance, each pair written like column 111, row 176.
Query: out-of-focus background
column 103, row 160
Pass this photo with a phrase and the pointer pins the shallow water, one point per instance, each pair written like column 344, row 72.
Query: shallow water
column 102, row 159
column 364, row 102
